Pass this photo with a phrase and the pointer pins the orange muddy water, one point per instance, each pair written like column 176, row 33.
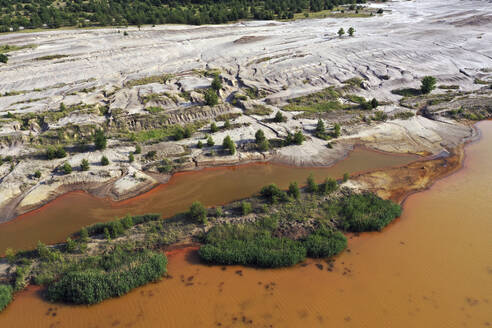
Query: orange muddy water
column 67, row 214
column 430, row 268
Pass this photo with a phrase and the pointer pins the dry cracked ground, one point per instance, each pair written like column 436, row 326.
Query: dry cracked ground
column 137, row 85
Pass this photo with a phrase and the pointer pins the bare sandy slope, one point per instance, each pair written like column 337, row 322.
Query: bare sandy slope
column 451, row 40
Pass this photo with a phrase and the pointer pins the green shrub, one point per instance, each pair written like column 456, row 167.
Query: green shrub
column 211, row 97
column 265, row 252
column 5, row 296
column 104, row 161
column 246, row 208
column 311, row 184
column 325, row 243
column 113, row 275
column 67, row 168
column 58, row 152
column 294, row 190
column 366, row 212
column 272, row 193
column 329, row 186
column 428, row 84
column 210, row 141
column 100, row 140
column 229, row 145
column 198, row 213
column 213, row 127
column 84, row 165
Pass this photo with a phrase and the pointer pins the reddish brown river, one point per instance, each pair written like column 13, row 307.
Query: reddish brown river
column 430, row 268
column 55, row 221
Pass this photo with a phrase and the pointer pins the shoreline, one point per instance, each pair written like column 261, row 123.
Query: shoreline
column 103, row 190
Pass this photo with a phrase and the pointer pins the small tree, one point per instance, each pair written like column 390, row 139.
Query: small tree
column 37, row 174
column 213, row 127
column 107, row 235
column 138, row 149
column 351, row 31
column 264, row 145
column 84, row 165
column 341, row 32
column 259, row 136
column 246, row 208
column 311, row 184
column 84, row 235
column 229, row 145
column 198, row 213
column 428, row 84
column 104, row 161
column 199, row 144
column 4, row 58
column 374, row 103
column 336, row 130
column 320, row 127
column 210, row 141
column 346, row 176
column 279, row 118
column 298, row 137
column 217, row 83
column 100, row 140
column 71, row 245
column 294, row 190
column 63, row 107
column 329, row 186
column 227, row 124
column 10, row 255
column 131, row 158
column 67, row 168
column 211, row 97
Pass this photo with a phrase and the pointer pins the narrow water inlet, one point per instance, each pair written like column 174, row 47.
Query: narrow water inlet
column 215, row 186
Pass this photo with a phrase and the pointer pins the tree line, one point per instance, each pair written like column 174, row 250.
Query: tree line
column 54, row 14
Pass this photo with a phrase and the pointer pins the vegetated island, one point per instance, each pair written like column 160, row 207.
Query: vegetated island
column 274, row 229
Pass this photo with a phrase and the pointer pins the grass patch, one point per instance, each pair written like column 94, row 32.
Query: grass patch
column 323, row 101
column 259, row 110
column 6, row 48
column 163, row 78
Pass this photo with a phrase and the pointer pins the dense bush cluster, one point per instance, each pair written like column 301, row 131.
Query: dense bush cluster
column 117, row 227
column 111, row 275
column 254, row 245
column 366, row 212
column 5, row 296
column 34, row 13
column 325, row 243
column 250, row 245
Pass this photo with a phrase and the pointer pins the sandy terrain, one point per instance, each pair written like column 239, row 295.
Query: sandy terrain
column 451, row 40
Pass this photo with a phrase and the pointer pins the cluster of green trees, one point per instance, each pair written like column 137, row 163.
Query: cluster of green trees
column 366, row 212
column 322, row 133
column 34, row 13
column 5, row 296
column 110, row 275
column 254, row 245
